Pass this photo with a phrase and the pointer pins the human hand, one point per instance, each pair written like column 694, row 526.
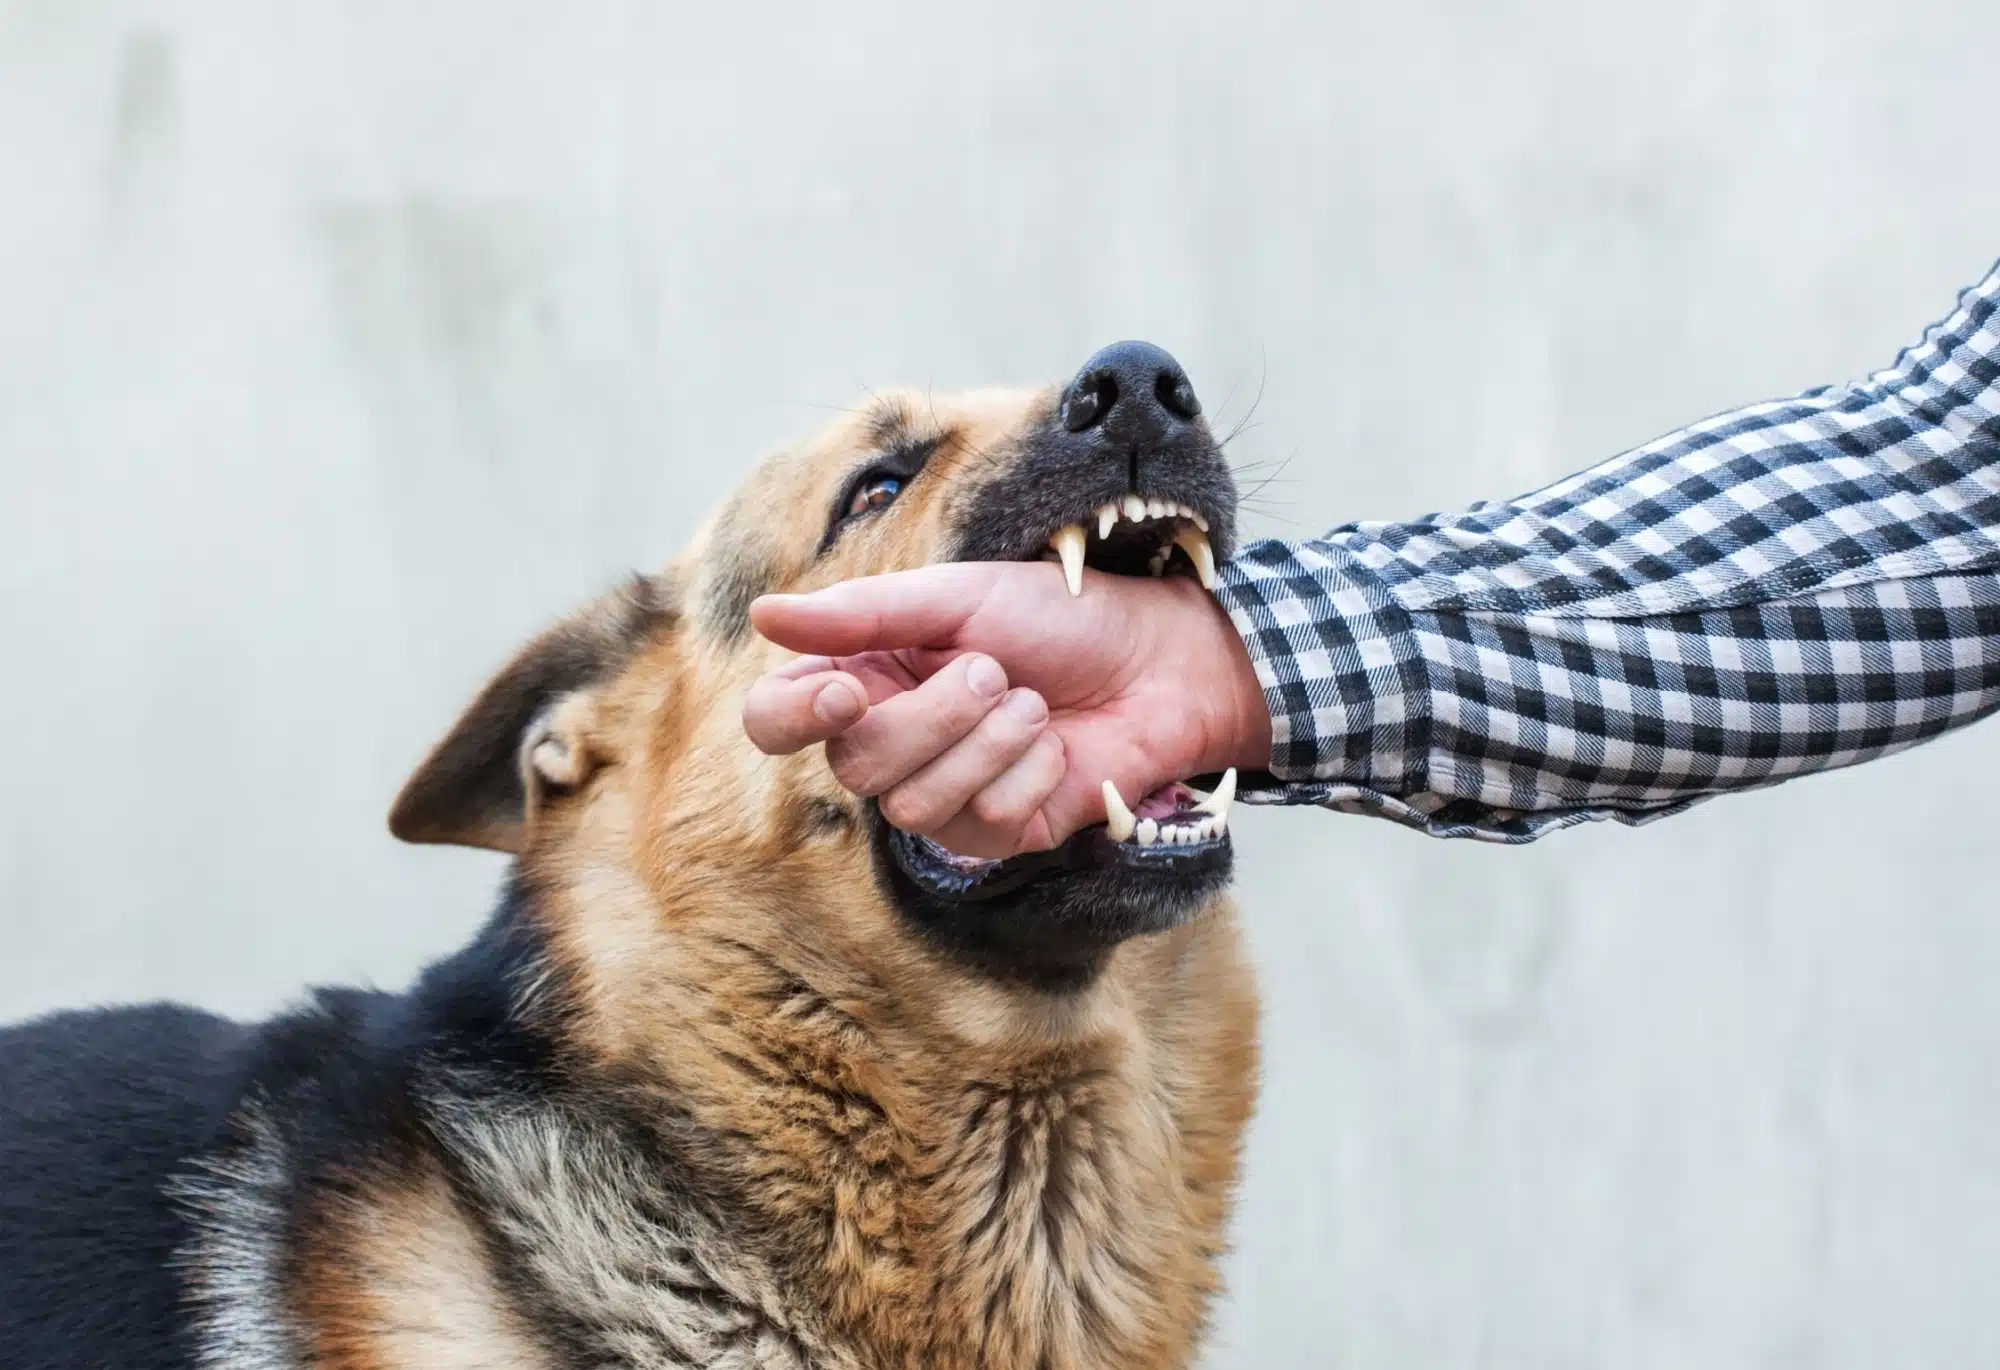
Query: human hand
column 1140, row 682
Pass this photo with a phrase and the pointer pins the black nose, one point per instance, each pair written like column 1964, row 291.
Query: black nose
column 1135, row 392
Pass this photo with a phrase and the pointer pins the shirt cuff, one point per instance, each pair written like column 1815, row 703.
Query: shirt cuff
column 1349, row 691
column 1340, row 668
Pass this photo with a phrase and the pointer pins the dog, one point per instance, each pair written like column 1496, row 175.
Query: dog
column 737, row 1074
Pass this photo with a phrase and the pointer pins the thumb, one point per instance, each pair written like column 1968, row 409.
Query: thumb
column 922, row 608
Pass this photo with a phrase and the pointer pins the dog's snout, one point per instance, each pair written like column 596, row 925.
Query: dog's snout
column 1133, row 392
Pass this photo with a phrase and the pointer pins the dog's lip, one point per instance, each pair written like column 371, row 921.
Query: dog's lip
column 1089, row 851
column 1093, row 849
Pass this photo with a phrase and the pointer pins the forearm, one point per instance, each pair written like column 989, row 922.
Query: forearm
column 1787, row 588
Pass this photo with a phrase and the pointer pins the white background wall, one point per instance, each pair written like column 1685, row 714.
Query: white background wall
column 343, row 345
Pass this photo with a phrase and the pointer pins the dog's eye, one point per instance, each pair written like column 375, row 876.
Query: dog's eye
column 875, row 492
column 876, row 486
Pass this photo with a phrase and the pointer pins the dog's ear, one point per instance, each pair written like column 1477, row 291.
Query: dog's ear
column 528, row 733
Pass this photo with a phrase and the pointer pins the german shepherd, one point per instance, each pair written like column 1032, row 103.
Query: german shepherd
column 737, row 1074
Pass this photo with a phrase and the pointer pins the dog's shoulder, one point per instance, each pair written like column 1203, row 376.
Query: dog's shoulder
column 159, row 1165
column 98, row 1110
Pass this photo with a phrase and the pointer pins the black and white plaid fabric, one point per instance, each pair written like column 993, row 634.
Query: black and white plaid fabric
column 1782, row 589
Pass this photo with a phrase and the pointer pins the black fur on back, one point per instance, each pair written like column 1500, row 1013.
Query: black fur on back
column 105, row 1113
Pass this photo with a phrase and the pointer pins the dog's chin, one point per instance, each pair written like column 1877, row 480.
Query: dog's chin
column 1048, row 919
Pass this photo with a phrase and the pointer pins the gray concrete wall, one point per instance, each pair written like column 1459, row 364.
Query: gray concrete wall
column 342, row 345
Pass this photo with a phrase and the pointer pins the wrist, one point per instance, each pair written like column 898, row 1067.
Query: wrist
column 1232, row 720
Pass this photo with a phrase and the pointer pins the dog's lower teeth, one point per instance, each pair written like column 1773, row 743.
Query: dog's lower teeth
column 1117, row 818
column 1219, row 802
column 1208, row 819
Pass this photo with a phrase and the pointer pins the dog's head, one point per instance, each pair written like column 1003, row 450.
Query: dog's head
column 610, row 753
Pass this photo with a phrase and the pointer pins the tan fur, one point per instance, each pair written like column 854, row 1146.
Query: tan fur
column 409, row 1285
column 957, row 1172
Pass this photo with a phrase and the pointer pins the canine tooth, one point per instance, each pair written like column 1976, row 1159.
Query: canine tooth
column 1135, row 509
column 1106, row 516
column 1148, row 832
column 1219, row 824
column 1117, row 817
column 1219, row 802
column 1068, row 542
column 1195, row 544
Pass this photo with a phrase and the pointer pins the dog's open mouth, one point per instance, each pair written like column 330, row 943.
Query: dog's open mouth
column 1132, row 537
column 1176, row 833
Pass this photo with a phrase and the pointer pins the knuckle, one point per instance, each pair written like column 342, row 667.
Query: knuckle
column 1003, row 737
column 950, row 713
column 905, row 810
column 851, row 768
column 997, row 811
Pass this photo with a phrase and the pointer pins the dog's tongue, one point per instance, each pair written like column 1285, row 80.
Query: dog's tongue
column 1166, row 801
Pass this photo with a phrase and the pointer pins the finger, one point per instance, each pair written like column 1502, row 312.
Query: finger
column 881, row 674
column 782, row 715
column 884, row 674
column 1005, row 818
column 798, row 668
column 902, row 735
column 920, row 608
column 934, row 795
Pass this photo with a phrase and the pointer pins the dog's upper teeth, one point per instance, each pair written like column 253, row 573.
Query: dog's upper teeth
column 1195, row 544
column 1068, row 542
column 1117, row 817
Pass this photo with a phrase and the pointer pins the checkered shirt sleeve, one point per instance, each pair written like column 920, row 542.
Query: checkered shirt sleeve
column 1787, row 588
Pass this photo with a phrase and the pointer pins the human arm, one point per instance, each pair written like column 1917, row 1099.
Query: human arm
column 1786, row 588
